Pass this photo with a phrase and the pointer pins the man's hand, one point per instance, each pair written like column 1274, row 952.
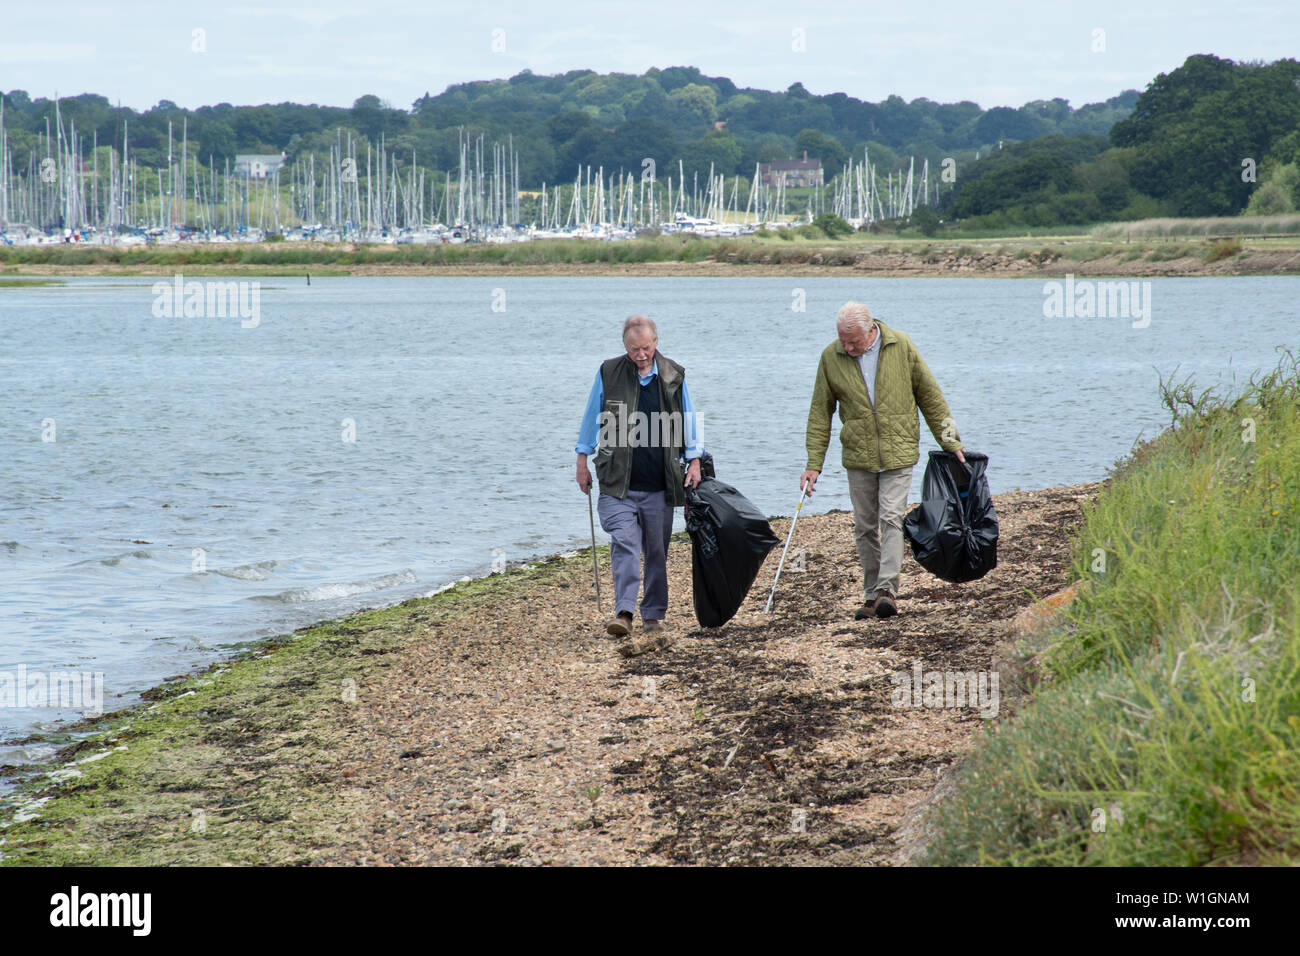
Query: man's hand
column 584, row 476
column 960, row 457
column 808, row 479
column 693, row 474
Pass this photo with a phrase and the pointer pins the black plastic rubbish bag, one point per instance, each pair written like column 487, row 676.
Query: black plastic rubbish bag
column 730, row 538
column 954, row 530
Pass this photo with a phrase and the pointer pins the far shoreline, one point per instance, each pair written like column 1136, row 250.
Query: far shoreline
column 1008, row 257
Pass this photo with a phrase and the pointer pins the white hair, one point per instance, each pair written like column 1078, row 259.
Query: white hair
column 640, row 323
column 855, row 313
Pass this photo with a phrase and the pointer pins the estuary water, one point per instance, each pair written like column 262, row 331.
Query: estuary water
column 171, row 486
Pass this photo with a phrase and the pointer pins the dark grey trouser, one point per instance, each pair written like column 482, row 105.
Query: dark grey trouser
column 639, row 524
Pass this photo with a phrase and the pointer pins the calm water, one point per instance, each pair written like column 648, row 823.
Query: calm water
column 177, row 434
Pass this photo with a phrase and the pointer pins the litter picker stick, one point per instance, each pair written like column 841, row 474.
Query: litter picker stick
column 595, row 573
column 802, row 494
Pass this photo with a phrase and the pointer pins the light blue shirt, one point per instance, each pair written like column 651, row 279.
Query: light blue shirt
column 867, row 362
column 590, row 430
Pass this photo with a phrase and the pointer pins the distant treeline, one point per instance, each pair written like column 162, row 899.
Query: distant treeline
column 1212, row 138
column 557, row 123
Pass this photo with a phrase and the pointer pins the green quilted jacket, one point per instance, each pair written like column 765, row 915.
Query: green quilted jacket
column 886, row 436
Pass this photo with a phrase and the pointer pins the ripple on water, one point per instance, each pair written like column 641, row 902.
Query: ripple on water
column 248, row 572
column 343, row 589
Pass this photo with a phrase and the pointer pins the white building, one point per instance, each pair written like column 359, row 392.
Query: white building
column 258, row 165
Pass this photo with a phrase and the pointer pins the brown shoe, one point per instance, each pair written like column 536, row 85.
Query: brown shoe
column 885, row 606
column 620, row 625
column 652, row 626
column 635, row 647
column 867, row 610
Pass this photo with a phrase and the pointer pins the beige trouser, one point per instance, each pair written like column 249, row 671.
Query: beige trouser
column 879, row 503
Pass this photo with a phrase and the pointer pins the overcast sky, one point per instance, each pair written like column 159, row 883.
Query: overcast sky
column 995, row 53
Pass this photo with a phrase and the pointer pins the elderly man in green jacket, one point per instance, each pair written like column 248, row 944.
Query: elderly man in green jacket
column 877, row 378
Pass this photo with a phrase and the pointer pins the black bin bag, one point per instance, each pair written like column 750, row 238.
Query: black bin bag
column 954, row 530
column 730, row 538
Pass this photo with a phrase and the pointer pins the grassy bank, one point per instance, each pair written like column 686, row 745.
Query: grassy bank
column 1165, row 726
column 859, row 252
column 1193, row 228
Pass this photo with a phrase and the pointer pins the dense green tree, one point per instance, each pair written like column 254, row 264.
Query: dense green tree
column 1096, row 119
column 368, row 116
column 1107, row 177
column 591, row 147
column 925, row 219
column 640, row 139
column 832, row 225
column 1199, row 152
column 562, row 127
column 1031, row 175
column 693, row 107
column 256, row 129
column 676, row 77
column 1278, row 194
column 647, row 102
column 1169, row 97
column 217, row 140
column 718, row 150
column 17, row 104
column 1004, row 123
column 820, row 146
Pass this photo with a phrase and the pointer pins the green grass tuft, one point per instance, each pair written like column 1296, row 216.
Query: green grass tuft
column 1166, row 729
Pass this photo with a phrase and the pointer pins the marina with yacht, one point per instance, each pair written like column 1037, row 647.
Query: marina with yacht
column 74, row 191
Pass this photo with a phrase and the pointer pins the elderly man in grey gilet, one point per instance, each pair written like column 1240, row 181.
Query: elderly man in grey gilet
column 640, row 422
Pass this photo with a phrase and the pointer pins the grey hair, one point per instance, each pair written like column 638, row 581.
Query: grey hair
column 639, row 323
column 855, row 313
